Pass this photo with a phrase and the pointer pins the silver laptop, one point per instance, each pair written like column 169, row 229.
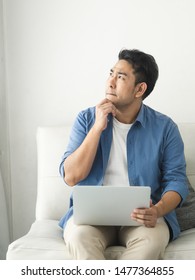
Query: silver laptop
column 108, row 205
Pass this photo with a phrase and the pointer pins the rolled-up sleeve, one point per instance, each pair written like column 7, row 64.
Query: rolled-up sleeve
column 173, row 163
column 77, row 135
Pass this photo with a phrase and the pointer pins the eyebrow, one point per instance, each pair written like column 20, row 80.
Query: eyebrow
column 120, row 73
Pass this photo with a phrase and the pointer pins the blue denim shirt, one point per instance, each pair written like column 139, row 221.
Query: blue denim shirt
column 155, row 156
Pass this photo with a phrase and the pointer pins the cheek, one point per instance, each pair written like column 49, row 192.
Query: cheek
column 125, row 90
column 130, row 90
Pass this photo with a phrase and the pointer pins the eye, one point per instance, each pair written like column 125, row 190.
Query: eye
column 121, row 77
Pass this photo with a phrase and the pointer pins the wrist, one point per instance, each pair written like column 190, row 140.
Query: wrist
column 158, row 211
column 96, row 129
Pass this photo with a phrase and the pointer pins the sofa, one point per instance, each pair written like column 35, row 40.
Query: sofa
column 44, row 240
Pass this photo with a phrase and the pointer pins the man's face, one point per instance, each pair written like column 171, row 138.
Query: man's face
column 120, row 86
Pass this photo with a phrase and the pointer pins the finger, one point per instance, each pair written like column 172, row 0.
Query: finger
column 140, row 210
column 142, row 217
column 107, row 108
column 145, row 222
column 105, row 100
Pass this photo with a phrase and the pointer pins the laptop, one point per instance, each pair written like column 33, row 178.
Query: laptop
column 108, row 205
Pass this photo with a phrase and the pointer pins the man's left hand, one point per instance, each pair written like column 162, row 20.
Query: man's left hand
column 146, row 216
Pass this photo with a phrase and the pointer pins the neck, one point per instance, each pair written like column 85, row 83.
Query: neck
column 128, row 115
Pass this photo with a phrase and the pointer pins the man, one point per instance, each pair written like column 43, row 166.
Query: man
column 121, row 141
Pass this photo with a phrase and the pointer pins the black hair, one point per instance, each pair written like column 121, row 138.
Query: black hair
column 144, row 66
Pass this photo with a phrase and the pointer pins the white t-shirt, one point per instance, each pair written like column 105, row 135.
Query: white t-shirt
column 116, row 171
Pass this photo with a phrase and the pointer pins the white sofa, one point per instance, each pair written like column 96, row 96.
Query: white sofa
column 44, row 239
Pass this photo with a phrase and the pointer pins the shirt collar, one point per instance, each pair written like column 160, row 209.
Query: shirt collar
column 141, row 115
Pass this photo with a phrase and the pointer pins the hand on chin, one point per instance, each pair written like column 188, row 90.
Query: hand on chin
column 111, row 96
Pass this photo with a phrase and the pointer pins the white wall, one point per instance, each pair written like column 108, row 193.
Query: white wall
column 5, row 202
column 59, row 53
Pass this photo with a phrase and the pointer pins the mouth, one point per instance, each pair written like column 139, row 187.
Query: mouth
column 110, row 93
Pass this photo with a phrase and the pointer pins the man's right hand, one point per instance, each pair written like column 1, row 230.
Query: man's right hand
column 104, row 108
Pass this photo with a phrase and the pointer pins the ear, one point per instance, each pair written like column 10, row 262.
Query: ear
column 140, row 89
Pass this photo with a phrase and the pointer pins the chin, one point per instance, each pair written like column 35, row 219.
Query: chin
column 111, row 97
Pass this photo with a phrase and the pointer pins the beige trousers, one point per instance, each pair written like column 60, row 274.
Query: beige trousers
column 142, row 243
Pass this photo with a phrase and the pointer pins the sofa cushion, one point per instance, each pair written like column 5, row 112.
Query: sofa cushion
column 44, row 241
column 186, row 213
column 190, row 187
column 182, row 248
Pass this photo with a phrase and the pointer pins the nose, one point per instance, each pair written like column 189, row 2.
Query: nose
column 112, row 81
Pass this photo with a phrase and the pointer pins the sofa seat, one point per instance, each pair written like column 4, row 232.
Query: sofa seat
column 44, row 241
